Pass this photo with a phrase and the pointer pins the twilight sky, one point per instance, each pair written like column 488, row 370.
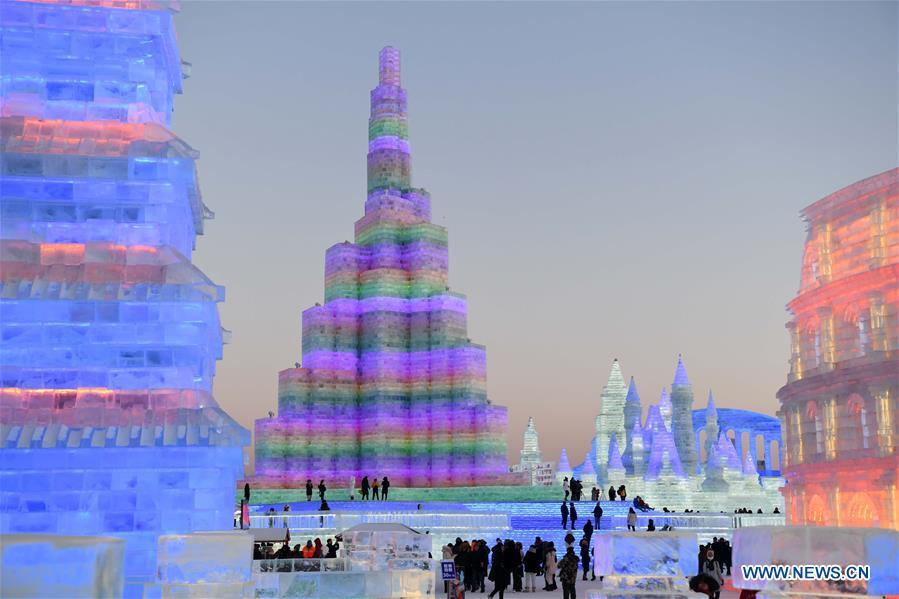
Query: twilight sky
column 618, row 179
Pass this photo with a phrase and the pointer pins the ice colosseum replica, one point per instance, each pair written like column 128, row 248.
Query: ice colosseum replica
column 667, row 461
column 839, row 406
column 110, row 333
column 390, row 385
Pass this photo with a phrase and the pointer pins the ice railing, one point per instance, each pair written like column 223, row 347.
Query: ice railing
column 418, row 521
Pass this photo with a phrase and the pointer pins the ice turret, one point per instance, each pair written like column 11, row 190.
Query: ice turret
column 663, row 457
column 728, row 454
column 638, row 451
column 682, row 420
column 711, row 425
column 666, row 408
column 749, row 465
column 633, row 412
column 588, row 470
column 610, row 420
column 616, row 470
column 714, row 472
column 563, row 470
column 530, row 452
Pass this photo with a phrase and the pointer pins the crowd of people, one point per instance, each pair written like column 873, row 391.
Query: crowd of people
column 312, row 549
column 507, row 564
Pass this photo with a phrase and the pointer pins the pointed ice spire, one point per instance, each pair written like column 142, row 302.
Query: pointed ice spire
column 615, row 462
column 588, row 469
column 666, row 409
column 663, row 456
column 680, row 374
column 564, row 466
column 632, row 394
column 654, row 420
column 749, row 467
column 727, row 453
column 710, row 409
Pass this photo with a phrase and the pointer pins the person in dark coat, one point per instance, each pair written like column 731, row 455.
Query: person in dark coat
column 499, row 572
column 573, row 515
column 308, row 489
column 564, row 510
column 622, row 492
column 365, row 486
column 321, row 489
column 246, row 492
column 385, row 485
column 588, row 530
column 597, row 514
column 585, row 556
column 611, row 493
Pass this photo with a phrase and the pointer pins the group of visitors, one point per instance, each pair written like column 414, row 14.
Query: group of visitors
column 322, row 489
column 714, row 564
column 372, row 489
column 641, row 505
column 312, row 549
column 573, row 488
column 507, row 564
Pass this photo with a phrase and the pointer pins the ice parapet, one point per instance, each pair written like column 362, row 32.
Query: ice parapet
column 647, row 554
column 819, row 545
column 60, row 566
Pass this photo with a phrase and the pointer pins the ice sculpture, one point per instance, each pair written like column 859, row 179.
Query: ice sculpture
column 110, row 334
column 43, row 565
column 205, row 564
column 655, row 463
column 840, row 404
column 802, row 545
column 645, row 563
column 390, row 384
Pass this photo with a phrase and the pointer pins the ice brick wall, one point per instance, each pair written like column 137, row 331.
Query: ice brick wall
column 110, row 335
column 390, row 384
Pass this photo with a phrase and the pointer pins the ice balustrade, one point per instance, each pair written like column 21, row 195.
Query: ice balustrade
column 416, row 520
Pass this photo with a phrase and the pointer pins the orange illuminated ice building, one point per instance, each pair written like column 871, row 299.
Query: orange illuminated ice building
column 839, row 406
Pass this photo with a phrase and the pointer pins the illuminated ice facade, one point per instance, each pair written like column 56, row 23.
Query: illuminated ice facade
column 839, row 406
column 390, row 385
column 679, row 457
column 110, row 335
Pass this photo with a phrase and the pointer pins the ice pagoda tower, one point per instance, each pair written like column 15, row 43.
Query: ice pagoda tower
column 610, row 420
column 110, row 333
column 390, row 383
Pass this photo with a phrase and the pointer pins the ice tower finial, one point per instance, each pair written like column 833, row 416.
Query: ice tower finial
column 632, row 394
column 564, row 466
column 389, row 63
column 680, row 374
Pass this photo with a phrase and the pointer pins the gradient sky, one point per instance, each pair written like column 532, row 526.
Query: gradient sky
column 618, row 179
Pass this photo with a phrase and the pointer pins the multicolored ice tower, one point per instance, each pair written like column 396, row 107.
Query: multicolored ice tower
column 391, row 384
column 109, row 334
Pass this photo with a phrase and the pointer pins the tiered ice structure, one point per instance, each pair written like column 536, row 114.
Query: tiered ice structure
column 390, row 384
column 658, row 458
column 531, row 463
column 110, row 333
column 840, row 406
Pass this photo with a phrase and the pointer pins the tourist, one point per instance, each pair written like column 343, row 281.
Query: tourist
column 538, row 545
column 568, row 574
column 271, row 517
column 463, row 564
column 585, row 556
column 474, row 563
column 321, row 489
column 712, row 569
column 708, row 586
column 549, row 568
column 331, row 549
column 385, row 485
column 246, row 492
column 588, row 529
column 572, row 514
column 597, row 514
column 365, row 487
column 308, row 550
column 323, row 506
column 564, row 510
column 483, row 558
column 513, row 557
column 499, row 572
column 308, row 489
column 611, row 493
column 631, row 519
column 286, row 512
column 622, row 493
column 245, row 515
column 566, row 487
column 651, row 526
column 531, row 569
column 569, row 540
column 776, row 510
column 375, row 488
column 447, row 555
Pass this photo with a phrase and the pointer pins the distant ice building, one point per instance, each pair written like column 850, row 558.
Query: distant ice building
column 531, row 464
column 679, row 457
column 840, row 406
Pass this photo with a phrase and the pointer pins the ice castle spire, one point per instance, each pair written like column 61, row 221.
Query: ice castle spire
column 389, row 158
column 682, row 418
column 615, row 455
column 564, row 466
column 530, row 452
column 610, row 420
column 711, row 425
column 749, row 466
column 632, row 414
column 666, row 409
